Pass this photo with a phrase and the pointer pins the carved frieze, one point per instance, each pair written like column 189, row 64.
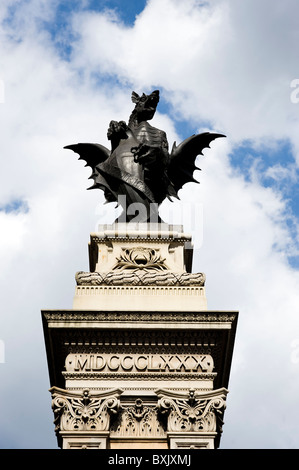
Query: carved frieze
column 140, row 316
column 139, row 367
column 139, row 363
column 140, row 277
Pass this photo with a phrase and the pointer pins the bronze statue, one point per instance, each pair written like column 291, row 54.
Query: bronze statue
column 139, row 172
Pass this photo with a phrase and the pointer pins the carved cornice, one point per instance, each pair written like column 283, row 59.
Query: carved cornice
column 130, row 341
column 144, row 316
column 142, row 234
column 114, row 332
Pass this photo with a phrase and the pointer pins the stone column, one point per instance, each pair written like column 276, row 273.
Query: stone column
column 82, row 419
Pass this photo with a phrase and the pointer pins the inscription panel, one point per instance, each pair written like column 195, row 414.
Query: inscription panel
column 124, row 363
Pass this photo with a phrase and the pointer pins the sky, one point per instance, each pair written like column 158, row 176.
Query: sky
column 66, row 69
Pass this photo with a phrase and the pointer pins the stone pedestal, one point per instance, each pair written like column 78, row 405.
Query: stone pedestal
column 139, row 362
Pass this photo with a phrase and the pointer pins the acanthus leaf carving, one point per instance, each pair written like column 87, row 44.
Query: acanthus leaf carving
column 138, row 420
column 201, row 413
column 140, row 257
column 83, row 412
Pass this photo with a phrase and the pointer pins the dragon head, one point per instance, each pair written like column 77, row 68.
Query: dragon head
column 145, row 106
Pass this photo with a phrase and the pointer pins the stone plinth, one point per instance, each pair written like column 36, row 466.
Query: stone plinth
column 143, row 266
column 139, row 354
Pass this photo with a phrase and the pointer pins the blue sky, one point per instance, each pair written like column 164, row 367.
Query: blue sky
column 242, row 157
column 58, row 26
column 246, row 157
column 222, row 65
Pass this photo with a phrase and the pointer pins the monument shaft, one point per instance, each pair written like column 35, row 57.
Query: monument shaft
column 135, row 365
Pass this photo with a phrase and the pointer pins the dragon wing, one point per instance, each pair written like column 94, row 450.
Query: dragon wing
column 182, row 158
column 92, row 154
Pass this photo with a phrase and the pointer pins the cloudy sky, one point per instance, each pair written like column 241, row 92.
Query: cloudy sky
column 66, row 69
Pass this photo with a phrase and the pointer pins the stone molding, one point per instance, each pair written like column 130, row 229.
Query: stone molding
column 192, row 440
column 140, row 231
column 138, row 376
column 84, row 440
column 132, row 341
column 140, row 277
column 139, row 316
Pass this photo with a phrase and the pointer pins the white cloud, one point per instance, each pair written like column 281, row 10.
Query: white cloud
column 279, row 173
column 228, row 62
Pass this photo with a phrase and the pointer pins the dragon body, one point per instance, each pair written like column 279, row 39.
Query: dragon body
column 139, row 172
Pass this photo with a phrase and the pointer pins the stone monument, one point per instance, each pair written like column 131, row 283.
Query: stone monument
column 139, row 362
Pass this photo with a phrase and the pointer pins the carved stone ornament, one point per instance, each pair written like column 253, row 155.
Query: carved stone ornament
column 140, row 277
column 125, row 316
column 84, row 411
column 140, row 257
column 138, row 421
column 201, row 413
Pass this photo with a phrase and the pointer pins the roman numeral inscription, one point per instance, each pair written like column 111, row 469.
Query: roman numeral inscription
column 139, row 362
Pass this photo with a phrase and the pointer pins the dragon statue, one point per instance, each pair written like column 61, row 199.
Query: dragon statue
column 139, row 172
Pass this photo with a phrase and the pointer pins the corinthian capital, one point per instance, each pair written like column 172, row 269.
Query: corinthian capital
column 83, row 411
column 193, row 412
